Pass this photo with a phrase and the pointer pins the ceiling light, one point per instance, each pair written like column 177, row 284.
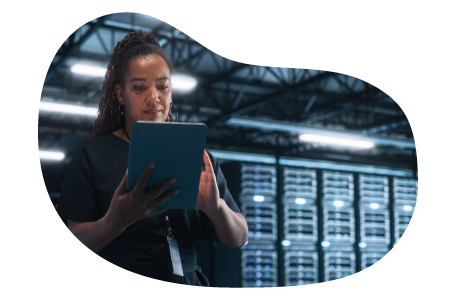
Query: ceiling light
column 183, row 83
column 286, row 243
column 50, row 155
column 88, row 70
column 69, row 109
column 336, row 141
column 362, row 245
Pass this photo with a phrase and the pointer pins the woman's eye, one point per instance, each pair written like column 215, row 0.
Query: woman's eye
column 138, row 88
column 164, row 87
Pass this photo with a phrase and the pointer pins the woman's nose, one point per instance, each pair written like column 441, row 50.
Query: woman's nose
column 153, row 96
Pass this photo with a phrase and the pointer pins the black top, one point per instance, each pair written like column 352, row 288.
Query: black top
column 95, row 171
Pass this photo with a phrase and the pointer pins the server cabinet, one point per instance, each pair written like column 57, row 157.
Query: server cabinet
column 300, row 226
column 405, row 194
column 370, row 266
column 373, row 207
column 300, row 265
column 299, row 208
column 339, row 261
column 338, row 211
column 259, row 261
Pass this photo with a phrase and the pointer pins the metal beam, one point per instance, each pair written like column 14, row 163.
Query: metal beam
column 281, row 93
column 391, row 123
column 70, row 50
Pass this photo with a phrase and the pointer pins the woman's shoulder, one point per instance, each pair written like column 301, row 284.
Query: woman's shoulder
column 99, row 145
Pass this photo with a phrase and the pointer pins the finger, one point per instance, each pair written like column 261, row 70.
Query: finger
column 207, row 162
column 162, row 199
column 122, row 188
column 159, row 189
column 142, row 181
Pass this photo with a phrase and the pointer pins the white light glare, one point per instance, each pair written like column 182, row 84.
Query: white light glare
column 407, row 208
column 183, row 83
column 179, row 82
column 69, row 109
column 325, row 244
column 362, row 245
column 335, row 140
column 88, row 70
column 286, row 243
column 258, row 198
column 374, row 205
column 300, row 201
column 338, row 203
column 51, row 155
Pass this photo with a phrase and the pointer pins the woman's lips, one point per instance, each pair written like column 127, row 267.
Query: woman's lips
column 152, row 111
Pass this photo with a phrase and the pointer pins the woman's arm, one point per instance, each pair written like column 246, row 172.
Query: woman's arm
column 230, row 227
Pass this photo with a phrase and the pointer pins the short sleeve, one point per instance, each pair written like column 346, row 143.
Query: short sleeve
column 78, row 200
column 208, row 226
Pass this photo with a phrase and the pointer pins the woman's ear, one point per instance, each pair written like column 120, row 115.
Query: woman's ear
column 118, row 90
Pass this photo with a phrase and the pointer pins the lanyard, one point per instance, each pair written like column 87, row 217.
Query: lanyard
column 168, row 227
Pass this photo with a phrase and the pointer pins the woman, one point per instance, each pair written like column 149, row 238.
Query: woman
column 120, row 226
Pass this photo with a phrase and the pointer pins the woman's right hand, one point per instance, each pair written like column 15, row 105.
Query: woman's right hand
column 129, row 207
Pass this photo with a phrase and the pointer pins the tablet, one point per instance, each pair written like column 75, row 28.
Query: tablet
column 177, row 150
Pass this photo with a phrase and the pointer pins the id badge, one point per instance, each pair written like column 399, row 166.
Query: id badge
column 175, row 257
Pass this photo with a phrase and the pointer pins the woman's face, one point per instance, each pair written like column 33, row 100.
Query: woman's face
column 146, row 92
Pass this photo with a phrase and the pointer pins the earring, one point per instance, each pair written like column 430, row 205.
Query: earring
column 120, row 113
column 170, row 117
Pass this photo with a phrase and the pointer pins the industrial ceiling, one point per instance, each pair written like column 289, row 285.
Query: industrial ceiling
column 227, row 90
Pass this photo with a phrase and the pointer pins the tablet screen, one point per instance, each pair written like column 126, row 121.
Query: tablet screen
column 177, row 150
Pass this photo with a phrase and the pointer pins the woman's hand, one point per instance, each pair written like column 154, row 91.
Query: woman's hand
column 129, row 207
column 208, row 193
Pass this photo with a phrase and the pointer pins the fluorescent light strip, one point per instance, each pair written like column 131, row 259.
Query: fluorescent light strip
column 180, row 83
column 69, row 109
column 307, row 137
column 183, row 83
column 88, row 70
column 239, row 156
column 318, row 164
column 301, row 129
column 50, row 155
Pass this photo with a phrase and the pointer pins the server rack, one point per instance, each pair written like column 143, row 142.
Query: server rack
column 300, row 226
column 372, row 254
column 332, row 220
column 337, row 202
column 259, row 261
column 405, row 193
column 339, row 261
column 374, row 212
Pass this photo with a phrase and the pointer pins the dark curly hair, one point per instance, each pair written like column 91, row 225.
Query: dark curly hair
column 134, row 44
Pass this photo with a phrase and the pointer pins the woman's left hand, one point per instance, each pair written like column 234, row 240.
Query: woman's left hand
column 208, row 193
